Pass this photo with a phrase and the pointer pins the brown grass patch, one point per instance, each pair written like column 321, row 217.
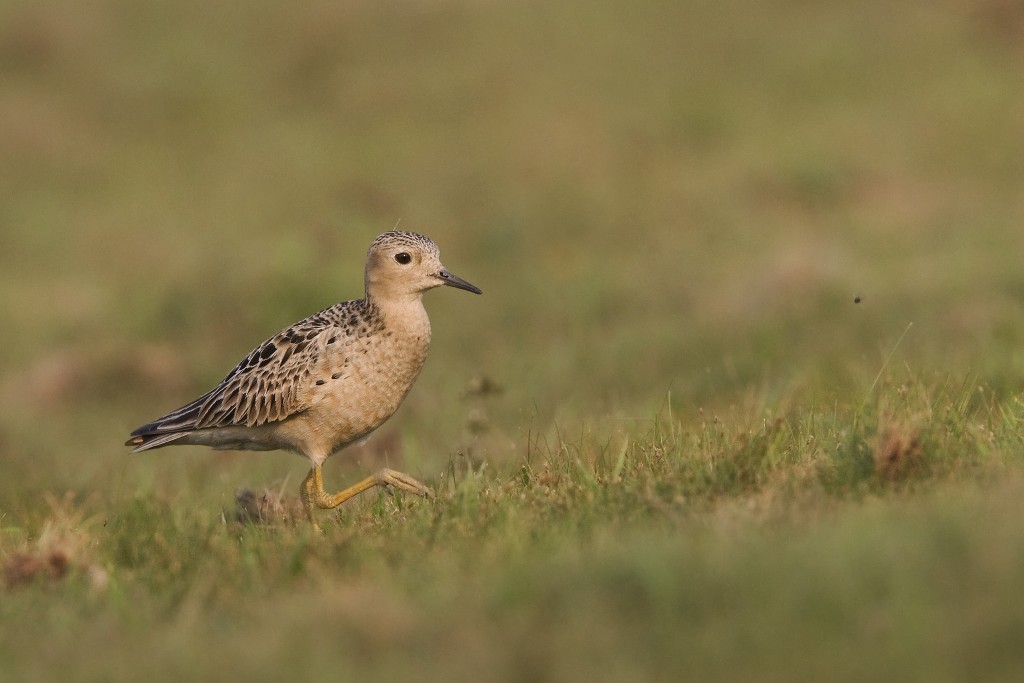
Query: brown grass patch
column 266, row 507
column 62, row 549
column 899, row 453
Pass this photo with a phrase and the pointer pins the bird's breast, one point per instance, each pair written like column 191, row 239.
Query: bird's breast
column 363, row 382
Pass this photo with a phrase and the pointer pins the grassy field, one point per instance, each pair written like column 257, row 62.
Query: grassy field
column 743, row 398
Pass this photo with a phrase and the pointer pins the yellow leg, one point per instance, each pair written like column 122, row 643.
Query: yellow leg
column 308, row 498
column 313, row 493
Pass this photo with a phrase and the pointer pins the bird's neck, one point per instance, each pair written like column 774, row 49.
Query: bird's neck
column 403, row 314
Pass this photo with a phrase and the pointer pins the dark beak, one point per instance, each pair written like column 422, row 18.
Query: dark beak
column 457, row 282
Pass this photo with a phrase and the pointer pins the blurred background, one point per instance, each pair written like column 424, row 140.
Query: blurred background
column 666, row 204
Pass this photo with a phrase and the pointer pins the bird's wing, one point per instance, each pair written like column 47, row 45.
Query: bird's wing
column 266, row 386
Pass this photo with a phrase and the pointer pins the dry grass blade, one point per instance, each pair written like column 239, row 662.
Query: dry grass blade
column 64, row 547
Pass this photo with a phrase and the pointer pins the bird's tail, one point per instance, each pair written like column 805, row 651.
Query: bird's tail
column 145, row 442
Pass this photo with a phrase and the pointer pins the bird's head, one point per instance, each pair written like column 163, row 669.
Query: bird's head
column 403, row 265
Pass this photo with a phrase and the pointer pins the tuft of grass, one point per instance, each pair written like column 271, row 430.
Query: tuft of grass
column 64, row 549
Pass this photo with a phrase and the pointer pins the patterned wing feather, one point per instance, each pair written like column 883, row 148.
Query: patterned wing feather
column 264, row 387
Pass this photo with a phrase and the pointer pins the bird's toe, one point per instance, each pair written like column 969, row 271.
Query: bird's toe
column 404, row 482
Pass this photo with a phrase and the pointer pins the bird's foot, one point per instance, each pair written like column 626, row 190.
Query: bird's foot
column 390, row 478
column 314, row 495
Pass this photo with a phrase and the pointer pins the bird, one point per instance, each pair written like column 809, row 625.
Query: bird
column 328, row 380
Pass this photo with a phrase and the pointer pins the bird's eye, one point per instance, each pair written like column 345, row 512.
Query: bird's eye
column 403, row 258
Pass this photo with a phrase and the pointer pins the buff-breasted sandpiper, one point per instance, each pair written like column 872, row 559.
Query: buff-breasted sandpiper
column 326, row 381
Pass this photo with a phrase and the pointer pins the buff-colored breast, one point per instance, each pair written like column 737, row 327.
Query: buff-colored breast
column 358, row 384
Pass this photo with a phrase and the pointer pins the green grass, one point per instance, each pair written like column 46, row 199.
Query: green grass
column 703, row 459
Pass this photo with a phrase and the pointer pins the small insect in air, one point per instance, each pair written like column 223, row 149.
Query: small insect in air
column 856, row 299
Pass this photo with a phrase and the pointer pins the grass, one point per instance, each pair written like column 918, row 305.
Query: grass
column 666, row 441
column 794, row 548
